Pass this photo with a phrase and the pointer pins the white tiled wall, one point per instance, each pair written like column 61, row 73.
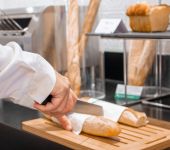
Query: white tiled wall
column 109, row 8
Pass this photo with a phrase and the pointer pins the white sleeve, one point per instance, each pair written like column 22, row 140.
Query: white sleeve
column 24, row 77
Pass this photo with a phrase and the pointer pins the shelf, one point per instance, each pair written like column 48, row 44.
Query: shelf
column 140, row 35
column 134, row 35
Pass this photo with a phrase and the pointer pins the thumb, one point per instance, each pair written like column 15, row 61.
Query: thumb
column 65, row 122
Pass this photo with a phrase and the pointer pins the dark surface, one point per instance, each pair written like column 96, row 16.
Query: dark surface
column 11, row 134
column 12, row 138
column 154, row 112
column 113, row 61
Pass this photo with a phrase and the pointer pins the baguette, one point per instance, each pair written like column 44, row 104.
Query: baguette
column 101, row 126
column 88, row 23
column 75, row 44
column 135, row 50
column 128, row 116
column 133, row 118
column 140, row 61
column 73, row 59
column 98, row 126
column 146, row 60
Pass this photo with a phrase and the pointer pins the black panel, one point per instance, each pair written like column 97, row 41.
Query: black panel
column 23, row 22
column 19, row 140
column 114, row 66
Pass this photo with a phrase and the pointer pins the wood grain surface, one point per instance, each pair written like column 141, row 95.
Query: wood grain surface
column 149, row 137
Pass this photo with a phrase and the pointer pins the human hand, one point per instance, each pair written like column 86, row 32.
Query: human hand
column 62, row 102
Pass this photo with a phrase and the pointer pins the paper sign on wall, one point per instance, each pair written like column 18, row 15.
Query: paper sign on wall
column 107, row 26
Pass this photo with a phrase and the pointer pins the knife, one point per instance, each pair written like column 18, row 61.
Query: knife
column 82, row 107
column 88, row 108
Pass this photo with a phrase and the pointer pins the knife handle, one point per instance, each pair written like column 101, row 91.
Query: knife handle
column 48, row 99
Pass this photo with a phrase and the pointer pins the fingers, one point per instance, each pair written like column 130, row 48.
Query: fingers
column 71, row 102
column 65, row 106
column 62, row 102
column 65, row 122
column 44, row 108
column 56, row 104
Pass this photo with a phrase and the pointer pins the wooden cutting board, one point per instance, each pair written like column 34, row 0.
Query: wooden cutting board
column 144, row 138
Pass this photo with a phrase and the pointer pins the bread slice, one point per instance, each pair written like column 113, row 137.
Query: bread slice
column 146, row 18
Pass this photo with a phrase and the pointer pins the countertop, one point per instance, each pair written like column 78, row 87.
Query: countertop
column 13, row 137
column 11, row 134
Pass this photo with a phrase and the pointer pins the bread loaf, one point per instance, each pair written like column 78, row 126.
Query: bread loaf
column 133, row 118
column 146, row 18
column 98, row 126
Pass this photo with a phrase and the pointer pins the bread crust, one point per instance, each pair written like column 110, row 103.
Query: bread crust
column 139, row 9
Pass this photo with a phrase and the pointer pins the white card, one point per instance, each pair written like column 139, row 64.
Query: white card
column 133, row 92
column 107, row 26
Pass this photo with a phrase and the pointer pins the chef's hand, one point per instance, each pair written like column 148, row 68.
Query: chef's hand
column 62, row 102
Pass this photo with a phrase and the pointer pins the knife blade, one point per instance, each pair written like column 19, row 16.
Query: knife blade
column 88, row 108
column 82, row 107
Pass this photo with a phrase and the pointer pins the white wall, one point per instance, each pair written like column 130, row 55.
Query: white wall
column 29, row 3
column 108, row 5
column 26, row 3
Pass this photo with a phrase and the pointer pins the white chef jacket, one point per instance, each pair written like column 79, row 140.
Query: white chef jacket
column 24, row 77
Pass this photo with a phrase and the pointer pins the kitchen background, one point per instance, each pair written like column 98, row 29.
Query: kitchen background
column 109, row 9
